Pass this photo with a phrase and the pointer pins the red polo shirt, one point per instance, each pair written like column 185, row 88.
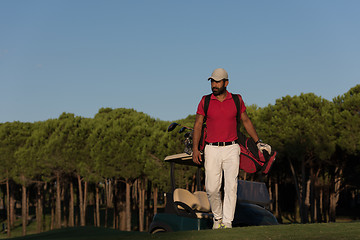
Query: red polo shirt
column 221, row 118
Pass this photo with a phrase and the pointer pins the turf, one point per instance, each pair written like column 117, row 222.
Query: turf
column 290, row 231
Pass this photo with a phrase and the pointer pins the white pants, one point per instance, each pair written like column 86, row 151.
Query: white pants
column 217, row 160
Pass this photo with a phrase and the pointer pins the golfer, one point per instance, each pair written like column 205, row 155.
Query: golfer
column 222, row 152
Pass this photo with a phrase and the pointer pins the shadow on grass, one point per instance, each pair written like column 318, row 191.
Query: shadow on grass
column 329, row 231
column 84, row 233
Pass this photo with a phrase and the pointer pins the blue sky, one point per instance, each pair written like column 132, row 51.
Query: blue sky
column 155, row 56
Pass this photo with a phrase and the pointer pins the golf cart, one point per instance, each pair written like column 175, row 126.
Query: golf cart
column 191, row 211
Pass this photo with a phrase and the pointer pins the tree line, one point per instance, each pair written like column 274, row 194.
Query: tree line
column 110, row 168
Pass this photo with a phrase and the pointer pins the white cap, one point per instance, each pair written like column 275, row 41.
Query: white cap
column 219, row 74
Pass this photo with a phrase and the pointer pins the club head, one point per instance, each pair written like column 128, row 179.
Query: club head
column 172, row 126
column 182, row 129
column 186, row 135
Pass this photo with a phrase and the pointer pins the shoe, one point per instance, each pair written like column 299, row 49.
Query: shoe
column 226, row 225
column 218, row 224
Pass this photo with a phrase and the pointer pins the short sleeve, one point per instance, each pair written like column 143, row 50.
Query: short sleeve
column 200, row 109
column 242, row 105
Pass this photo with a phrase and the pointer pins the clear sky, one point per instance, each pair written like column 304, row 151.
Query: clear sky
column 78, row 56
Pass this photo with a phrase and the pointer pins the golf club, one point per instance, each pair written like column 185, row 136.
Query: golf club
column 173, row 125
column 187, row 136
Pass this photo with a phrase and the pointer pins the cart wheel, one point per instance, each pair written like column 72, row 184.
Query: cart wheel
column 158, row 230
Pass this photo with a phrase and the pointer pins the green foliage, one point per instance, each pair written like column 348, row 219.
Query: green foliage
column 347, row 120
column 119, row 142
column 347, row 125
column 12, row 136
column 126, row 144
column 299, row 127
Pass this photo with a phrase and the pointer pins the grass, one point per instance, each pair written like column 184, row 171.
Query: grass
column 350, row 230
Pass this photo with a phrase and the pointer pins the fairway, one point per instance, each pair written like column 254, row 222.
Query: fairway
column 292, row 231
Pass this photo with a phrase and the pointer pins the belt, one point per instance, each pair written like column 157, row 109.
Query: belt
column 221, row 144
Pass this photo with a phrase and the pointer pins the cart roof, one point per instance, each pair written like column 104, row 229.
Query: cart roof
column 181, row 158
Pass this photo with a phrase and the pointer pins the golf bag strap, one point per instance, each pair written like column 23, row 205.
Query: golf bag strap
column 206, row 105
column 237, row 104
column 236, row 100
column 203, row 129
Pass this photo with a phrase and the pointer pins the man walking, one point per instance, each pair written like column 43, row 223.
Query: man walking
column 222, row 153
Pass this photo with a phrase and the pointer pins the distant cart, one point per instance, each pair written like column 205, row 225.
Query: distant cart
column 191, row 211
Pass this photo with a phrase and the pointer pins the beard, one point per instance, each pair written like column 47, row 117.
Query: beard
column 218, row 91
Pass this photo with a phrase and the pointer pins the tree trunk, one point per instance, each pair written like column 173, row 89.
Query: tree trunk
column 270, row 196
column 155, row 199
column 94, row 209
column 23, row 208
column 8, row 212
column 128, row 207
column 108, row 199
column 296, row 188
column 317, row 214
column 71, row 206
column 135, row 197
column 39, row 209
column 193, row 184
column 320, row 205
column 106, row 215
column 315, row 209
column 122, row 214
column 297, row 211
column 141, row 210
column 142, row 184
column 58, row 202
column 334, row 194
column 115, row 204
column 277, row 211
column 143, row 192
column 97, row 206
column 303, row 208
column 326, row 201
column 110, row 194
column 122, row 206
column 85, row 202
column 307, row 200
column 148, row 208
column 332, row 209
column 65, row 206
column 52, row 204
column 12, row 208
column 82, row 201
column 27, row 206
column 312, row 195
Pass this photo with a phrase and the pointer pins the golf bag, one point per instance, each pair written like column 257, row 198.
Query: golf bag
column 251, row 158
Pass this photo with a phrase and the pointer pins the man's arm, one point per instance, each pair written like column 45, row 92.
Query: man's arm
column 249, row 126
column 196, row 138
column 252, row 132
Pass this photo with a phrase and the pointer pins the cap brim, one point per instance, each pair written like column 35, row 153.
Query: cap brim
column 216, row 79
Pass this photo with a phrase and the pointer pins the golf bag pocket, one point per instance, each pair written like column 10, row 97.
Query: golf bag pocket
column 251, row 159
column 248, row 161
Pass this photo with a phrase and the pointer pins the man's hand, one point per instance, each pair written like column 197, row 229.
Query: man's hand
column 196, row 138
column 263, row 146
column 196, row 156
